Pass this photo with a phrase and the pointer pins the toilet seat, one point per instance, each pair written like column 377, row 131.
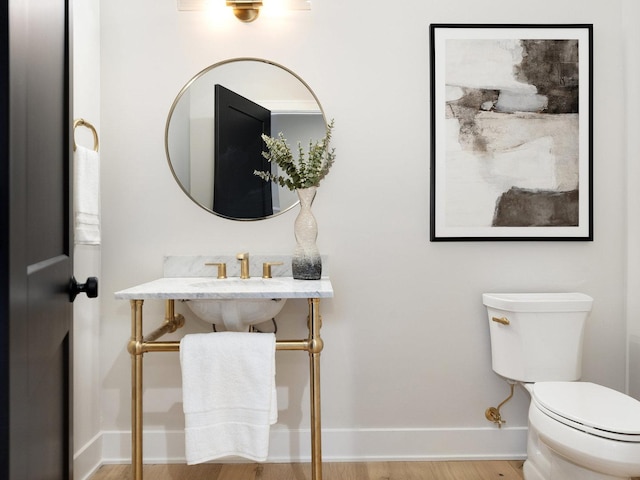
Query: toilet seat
column 591, row 408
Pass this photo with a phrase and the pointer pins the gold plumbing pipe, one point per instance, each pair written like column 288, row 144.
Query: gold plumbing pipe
column 493, row 413
column 139, row 344
column 172, row 322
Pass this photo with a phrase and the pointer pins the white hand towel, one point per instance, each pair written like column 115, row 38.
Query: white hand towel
column 86, row 188
column 229, row 394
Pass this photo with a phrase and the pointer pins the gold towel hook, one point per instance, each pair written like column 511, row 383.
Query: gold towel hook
column 81, row 122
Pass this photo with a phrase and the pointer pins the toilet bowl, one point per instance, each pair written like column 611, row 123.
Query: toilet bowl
column 580, row 430
column 577, row 430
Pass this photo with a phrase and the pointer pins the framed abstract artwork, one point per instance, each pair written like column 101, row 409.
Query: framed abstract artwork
column 511, row 132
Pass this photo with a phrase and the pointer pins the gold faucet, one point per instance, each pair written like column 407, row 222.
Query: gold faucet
column 244, row 264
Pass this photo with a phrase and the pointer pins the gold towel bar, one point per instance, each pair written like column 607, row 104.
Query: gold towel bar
column 81, row 122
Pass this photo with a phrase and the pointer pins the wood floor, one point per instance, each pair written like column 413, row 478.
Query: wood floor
column 486, row 470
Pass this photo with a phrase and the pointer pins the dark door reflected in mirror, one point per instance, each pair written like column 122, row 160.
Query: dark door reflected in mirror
column 239, row 124
column 213, row 135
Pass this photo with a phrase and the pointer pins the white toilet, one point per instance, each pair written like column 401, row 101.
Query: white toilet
column 577, row 430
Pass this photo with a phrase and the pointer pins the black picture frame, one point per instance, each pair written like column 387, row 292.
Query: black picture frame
column 511, row 132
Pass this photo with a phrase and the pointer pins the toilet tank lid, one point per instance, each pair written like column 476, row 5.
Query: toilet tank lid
column 539, row 302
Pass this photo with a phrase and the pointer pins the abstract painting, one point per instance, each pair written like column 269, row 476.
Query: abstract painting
column 511, row 132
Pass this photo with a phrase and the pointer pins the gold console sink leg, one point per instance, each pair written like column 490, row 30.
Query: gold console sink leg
column 136, row 389
column 138, row 345
column 315, row 347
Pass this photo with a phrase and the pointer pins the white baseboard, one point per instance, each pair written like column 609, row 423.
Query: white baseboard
column 88, row 458
column 338, row 445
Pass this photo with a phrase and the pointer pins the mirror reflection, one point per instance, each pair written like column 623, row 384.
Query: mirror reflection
column 213, row 140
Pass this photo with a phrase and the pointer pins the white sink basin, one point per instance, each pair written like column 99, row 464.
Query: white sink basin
column 237, row 315
column 233, row 302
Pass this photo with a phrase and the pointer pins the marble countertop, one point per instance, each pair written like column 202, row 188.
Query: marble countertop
column 186, row 288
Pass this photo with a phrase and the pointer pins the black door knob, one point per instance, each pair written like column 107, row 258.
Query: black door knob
column 90, row 287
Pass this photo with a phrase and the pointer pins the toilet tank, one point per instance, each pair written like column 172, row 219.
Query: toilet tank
column 537, row 336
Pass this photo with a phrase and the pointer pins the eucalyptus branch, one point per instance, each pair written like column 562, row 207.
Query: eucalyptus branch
column 301, row 172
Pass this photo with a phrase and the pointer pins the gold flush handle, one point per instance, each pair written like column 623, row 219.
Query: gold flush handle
column 222, row 269
column 501, row 320
column 266, row 268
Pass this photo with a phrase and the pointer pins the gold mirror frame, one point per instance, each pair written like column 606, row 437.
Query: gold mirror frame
column 186, row 89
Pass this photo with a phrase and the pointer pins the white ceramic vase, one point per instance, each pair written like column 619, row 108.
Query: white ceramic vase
column 306, row 263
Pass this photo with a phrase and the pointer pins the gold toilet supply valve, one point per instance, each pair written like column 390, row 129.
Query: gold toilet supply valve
column 493, row 413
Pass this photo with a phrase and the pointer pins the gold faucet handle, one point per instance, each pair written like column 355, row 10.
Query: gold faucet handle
column 266, row 268
column 222, row 268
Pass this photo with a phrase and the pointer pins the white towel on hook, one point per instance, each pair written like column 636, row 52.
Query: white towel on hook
column 86, row 192
column 229, row 394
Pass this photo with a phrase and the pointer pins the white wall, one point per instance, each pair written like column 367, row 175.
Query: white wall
column 406, row 366
column 87, row 259
column 631, row 13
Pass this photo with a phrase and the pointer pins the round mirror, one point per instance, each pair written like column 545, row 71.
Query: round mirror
column 213, row 135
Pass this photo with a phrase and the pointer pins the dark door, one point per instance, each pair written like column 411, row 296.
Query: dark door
column 35, row 268
column 239, row 122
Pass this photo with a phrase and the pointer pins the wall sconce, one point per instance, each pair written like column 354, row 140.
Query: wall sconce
column 245, row 10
